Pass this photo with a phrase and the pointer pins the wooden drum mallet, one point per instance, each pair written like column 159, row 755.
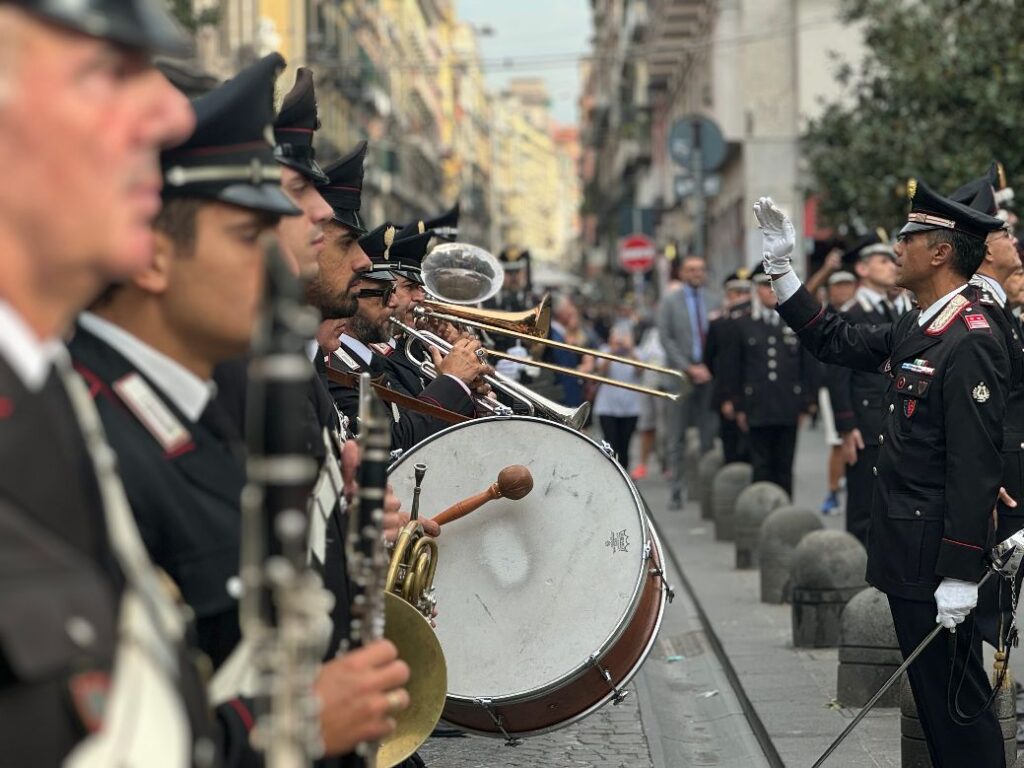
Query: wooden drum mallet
column 514, row 482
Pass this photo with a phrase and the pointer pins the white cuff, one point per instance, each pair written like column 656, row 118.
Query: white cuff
column 785, row 286
column 462, row 384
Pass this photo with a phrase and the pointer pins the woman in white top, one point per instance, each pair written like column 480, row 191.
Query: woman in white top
column 617, row 409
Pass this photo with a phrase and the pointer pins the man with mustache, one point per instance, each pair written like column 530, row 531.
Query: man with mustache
column 83, row 116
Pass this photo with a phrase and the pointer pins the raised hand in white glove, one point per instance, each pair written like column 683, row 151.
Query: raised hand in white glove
column 777, row 236
column 955, row 599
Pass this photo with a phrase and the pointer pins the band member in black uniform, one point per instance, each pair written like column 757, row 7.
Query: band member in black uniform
column 858, row 397
column 82, row 118
column 148, row 351
column 1002, row 259
column 369, row 328
column 939, row 462
column 768, row 376
column 723, row 334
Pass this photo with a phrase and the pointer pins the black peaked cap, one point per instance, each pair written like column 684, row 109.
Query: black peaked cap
column 295, row 125
column 229, row 156
column 408, row 251
column 142, row 24
column 377, row 245
column 446, row 225
column 930, row 210
column 514, row 259
column 738, row 280
column 344, row 188
column 864, row 246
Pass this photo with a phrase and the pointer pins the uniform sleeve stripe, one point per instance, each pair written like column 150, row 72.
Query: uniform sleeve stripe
column 813, row 320
column 961, row 543
column 243, row 713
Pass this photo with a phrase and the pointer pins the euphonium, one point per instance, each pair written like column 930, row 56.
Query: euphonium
column 414, row 559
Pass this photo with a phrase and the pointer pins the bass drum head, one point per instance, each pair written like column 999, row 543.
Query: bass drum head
column 527, row 591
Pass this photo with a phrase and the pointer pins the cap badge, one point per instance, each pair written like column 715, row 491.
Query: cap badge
column 980, row 393
column 911, row 188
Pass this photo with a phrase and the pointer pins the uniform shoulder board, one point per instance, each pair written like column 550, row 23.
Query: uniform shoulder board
column 847, row 306
column 152, row 412
column 948, row 314
column 383, row 349
column 347, row 359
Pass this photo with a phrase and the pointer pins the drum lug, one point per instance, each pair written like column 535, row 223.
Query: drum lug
column 499, row 722
column 396, row 454
column 619, row 694
column 606, row 447
column 658, row 571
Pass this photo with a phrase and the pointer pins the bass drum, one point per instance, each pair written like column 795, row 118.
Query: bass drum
column 547, row 605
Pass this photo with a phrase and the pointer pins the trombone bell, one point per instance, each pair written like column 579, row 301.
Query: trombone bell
column 531, row 322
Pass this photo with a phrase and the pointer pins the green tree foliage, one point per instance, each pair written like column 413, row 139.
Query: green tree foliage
column 939, row 95
column 189, row 19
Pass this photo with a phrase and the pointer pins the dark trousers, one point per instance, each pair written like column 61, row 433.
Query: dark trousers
column 618, row 431
column 951, row 745
column 734, row 441
column 771, row 454
column 860, row 485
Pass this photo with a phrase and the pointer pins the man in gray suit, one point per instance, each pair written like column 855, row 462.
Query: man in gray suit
column 682, row 326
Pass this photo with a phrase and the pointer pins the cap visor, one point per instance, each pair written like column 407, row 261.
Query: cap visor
column 416, row 277
column 307, row 168
column 913, row 226
column 351, row 220
column 262, row 197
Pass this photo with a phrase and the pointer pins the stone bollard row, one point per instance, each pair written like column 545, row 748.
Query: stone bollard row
column 710, row 463
column 781, row 532
column 868, row 651
column 828, row 570
column 729, row 483
column 752, row 508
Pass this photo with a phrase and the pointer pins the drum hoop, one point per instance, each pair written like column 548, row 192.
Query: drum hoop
column 638, row 586
column 499, row 700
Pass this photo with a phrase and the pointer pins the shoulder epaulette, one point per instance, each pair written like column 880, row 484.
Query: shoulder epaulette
column 945, row 318
column 383, row 348
column 152, row 412
column 347, row 359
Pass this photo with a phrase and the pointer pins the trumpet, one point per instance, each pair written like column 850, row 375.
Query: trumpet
column 533, row 322
column 535, row 403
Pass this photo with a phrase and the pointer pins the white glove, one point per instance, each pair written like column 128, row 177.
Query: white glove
column 955, row 599
column 777, row 236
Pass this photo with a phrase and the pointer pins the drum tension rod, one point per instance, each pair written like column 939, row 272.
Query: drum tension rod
column 658, row 571
column 499, row 722
column 620, row 695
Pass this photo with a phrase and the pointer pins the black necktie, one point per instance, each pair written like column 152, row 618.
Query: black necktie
column 888, row 310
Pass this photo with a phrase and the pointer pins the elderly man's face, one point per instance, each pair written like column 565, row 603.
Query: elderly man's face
column 82, row 123
column 408, row 295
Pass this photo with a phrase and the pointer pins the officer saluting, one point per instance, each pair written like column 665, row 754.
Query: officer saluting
column 939, row 465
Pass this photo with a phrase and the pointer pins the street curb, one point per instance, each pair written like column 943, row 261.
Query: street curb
column 764, row 740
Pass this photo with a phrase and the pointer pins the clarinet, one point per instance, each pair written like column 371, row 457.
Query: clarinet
column 368, row 562
column 284, row 610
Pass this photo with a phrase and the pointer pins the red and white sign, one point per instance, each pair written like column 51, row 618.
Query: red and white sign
column 636, row 253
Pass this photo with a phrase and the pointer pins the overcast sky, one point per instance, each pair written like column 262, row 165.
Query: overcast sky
column 552, row 30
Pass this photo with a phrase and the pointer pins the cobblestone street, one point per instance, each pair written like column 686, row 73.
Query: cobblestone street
column 611, row 738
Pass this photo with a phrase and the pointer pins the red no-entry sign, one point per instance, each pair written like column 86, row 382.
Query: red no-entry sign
column 636, row 253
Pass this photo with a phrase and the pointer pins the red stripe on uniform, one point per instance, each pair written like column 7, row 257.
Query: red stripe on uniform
column 961, row 543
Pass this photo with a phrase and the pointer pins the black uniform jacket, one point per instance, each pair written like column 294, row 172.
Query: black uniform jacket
column 403, row 373
column 408, row 428
column 186, row 501
column 722, row 336
column 767, row 372
column 939, row 463
column 1010, row 519
column 858, row 397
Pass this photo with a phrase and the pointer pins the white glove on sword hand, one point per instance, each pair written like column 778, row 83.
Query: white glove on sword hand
column 955, row 599
column 778, row 237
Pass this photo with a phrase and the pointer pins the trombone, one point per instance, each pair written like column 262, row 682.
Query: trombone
column 459, row 316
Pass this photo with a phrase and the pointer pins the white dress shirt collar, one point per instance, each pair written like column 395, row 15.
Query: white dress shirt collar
column 927, row 314
column 364, row 352
column 182, row 387
column 29, row 357
column 871, row 295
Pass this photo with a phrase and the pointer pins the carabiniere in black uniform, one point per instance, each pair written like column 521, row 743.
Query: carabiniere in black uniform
column 937, row 477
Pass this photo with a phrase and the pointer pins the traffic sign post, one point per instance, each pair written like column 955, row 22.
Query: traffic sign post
column 696, row 143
